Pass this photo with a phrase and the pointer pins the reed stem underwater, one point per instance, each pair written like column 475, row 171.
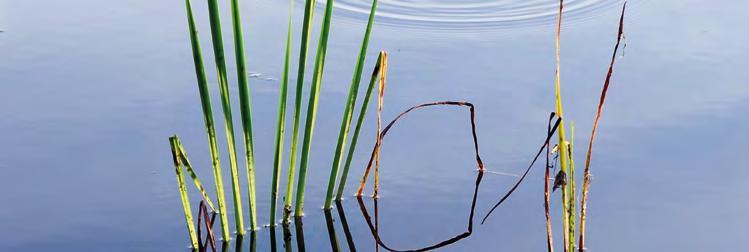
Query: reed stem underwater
column 348, row 110
column 245, row 110
column 309, row 125
column 309, row 8
column 281, row 121
column 205, row 102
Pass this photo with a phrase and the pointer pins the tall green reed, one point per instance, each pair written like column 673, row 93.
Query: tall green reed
column 348, row 110
column 309, row 125
column 309, row 8
column 205, row 102
column 245, row 110
column 218, row 53
column 357, row 129
column 563, row 152
column 281, row 121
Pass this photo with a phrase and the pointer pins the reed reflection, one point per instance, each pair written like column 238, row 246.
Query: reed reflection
column 374, row 228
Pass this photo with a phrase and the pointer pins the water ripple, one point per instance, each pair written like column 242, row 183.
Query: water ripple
column 469, row 15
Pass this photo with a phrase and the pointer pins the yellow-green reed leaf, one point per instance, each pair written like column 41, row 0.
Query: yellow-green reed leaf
column 309, row 125
column 223, row 83
column 357, row 129
column 348, row 110
column 309, row 8
column 281, row 121
column 245, row 109
column 205, row 102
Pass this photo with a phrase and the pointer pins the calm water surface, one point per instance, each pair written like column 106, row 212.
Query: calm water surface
column 90, row 91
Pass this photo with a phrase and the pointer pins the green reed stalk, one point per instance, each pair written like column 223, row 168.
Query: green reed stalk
column 205, row 102
column 281, row 121
column 223, row 83
column 245, row 109
column 357, row 129
column 348, row 109
column 571, row 185
column 309, row 125
column 309, row 8
column 183, row 192
column 562, row 143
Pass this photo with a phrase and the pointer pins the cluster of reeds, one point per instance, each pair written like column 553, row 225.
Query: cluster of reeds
column 566, row 178
column 564, row 154
column 180, row 158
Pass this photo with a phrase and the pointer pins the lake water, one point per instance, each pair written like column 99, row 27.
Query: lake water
column 90, row 91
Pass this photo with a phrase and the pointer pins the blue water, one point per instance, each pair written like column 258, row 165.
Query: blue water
column 90, row 91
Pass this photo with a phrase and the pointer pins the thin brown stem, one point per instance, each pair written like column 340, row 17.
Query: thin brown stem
column 586, row 178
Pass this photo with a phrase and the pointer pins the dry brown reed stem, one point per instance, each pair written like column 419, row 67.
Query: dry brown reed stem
column 376, row 149
column 586, row 178
column 379, row 70
column 547, row 198
column 380, row 96
column 520, row 180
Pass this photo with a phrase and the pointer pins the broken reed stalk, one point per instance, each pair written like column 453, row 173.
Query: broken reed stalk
column 556, row 126
column 309, row 125
column 246, row 112
column 380, row 71
column 562, row 143
column 387, row 128
column 223, row 83
column 183, row 192
column 357, row 130
column 348, row 109
column 281, row 121
column 586, row 177
column 205, row 102
column 309, row 8
column 186, row 163
column 547, row 198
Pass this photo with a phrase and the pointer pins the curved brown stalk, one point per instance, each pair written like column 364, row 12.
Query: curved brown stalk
column 586, row 178
column 375, row 151
column 374, row 229
column 547, row 198
column 520, row 180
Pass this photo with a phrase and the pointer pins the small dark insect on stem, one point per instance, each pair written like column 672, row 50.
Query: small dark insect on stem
column 546, row 142
column 586, row 178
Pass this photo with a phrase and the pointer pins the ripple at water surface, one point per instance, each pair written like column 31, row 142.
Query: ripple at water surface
column 470, row 15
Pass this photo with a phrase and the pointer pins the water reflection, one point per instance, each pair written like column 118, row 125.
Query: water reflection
column 344, row 223
column 376, row 234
